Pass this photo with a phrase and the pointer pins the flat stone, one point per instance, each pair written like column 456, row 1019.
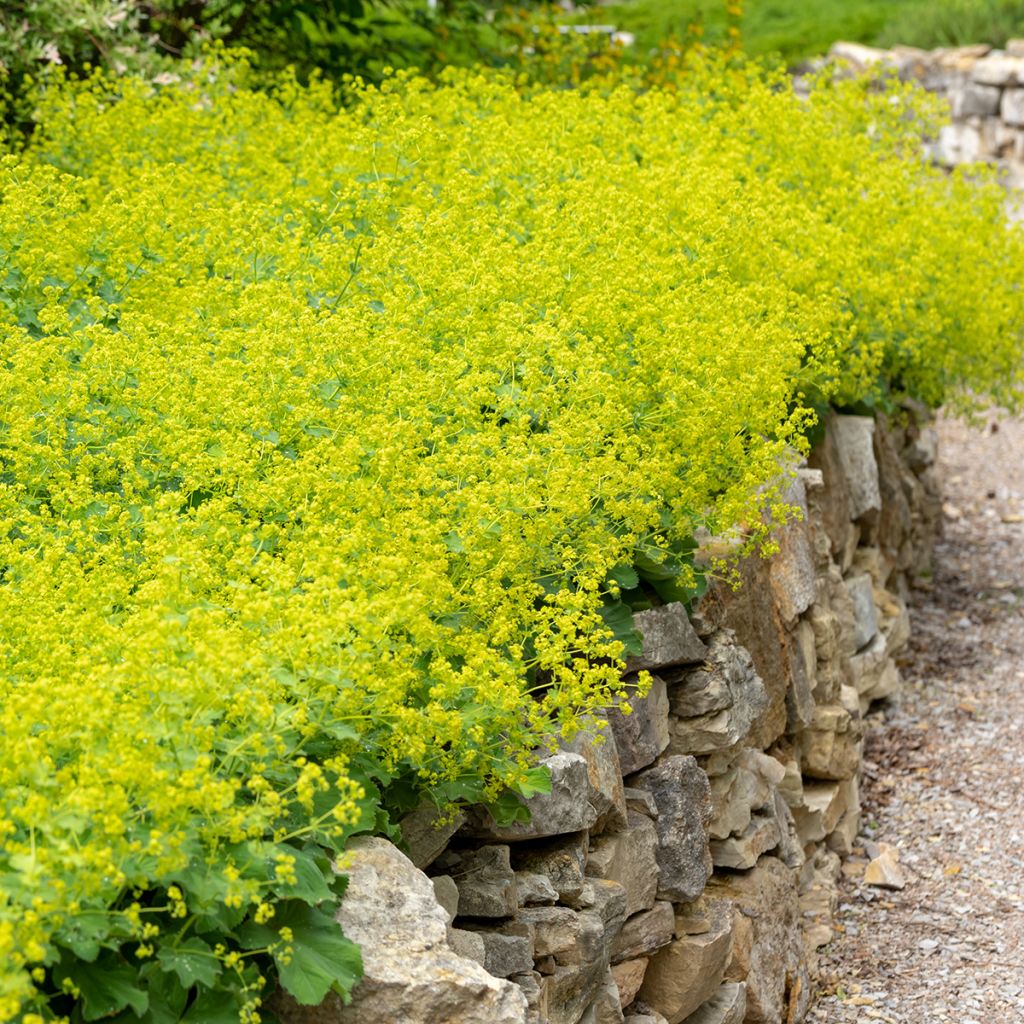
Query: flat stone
column 874, row 672
column 976, row 100
column 652, row 1017
column 606, row 1007
column 534, row 889
column 629, row 976
column 486, row 883
column 683, row 796
column 1011, row 109
column 687, row 972
column 884, row 870
column 668, row 639
column 727, row 1006
column 426, row 832
column 565, row 809
column 833, row 502
column 998, row 70
column 854, row 436
column 641, row 735
column 568, row 991
column 645, row 933
column 447, row 893
column 742, row 851
column 468, row 944
column 505, row 955
column 556, row 929
column 409, row 971
column 830, row 747
column 562, row 861
column 640, row 801
column 819, row 811
column 804, row 672
column 865, row 616
column 604, row 777
column 746, row 786
column 629, row 858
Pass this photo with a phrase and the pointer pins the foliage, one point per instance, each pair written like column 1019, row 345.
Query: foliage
column 956, row 22
column 338, row 438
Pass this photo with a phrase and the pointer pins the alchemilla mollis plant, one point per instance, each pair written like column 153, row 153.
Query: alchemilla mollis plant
column 340, row 434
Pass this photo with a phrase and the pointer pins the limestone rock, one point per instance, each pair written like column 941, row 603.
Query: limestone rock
column 767, row 949
column 998, row 70
column 861, row 591
column 830, row 747
column 629, row 858
column 884, row 870
column 565, row 809
column 976, row 100
column 468, row 944
column 640, row 801
column 727, row 1006
column 534, row 889
column 568, row 991
column 629, row 976
column 447, row 893
column 729, row 686
column 645, row 933
column 683, row 797
column 561, row 861
column 804, row 675
column 791, row 570
column 505, row 955
column 747, row 786
column 556, row 929
column 821, row 807
column 606, row 1007
column 874, row 673
column 646, row 1016
column 410, row 973
column 643, row 734
column 686, row 973
column 854, row 436
column 669, row 639
column 426, row 832
column 486, row 883
column 604, row 776
column 742, row 851
column 834, row 500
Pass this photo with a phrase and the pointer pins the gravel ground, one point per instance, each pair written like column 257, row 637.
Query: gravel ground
column 944, row 774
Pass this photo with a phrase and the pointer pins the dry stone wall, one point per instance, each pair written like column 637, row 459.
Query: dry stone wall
column 985, row 90
column 682, row 869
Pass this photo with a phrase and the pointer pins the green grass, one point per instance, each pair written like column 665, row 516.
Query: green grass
column 797, row 29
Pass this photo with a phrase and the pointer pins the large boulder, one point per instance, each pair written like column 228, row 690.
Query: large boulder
column 410, row 974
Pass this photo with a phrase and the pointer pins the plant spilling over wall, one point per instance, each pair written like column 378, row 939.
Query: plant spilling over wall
column 337, row 442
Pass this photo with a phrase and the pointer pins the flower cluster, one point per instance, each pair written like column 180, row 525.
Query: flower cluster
column 332, row 427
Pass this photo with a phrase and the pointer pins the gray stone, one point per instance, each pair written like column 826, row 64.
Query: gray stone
column 641, row 735
column 505, row 955
column 648, row 1016
column 727, row 1006
column 468, row 944
column 958, row 143
column 556, row 929
column 645, row 933
column 728, row 676
column 534, row 889
column 604, row 776
column 833, row 501
column 830, row 747
column 409, row 972
column 819, row 811
column 486, row 883
column 606, row 1008
column 640, row 801
column 860, row 589
column 874, row 673
column 629, row 858
column 854, row 436
column 669, row 639
column 683, row 796
column 804, row 671
column 569, row 990
column 607, row 899
column 998, row 70
column 447, row 893
column 687, row 972
column 791, row 570
column 976, row 100
column 530, row 984
column 562, row 861
column 565, row 809
column 427, row 830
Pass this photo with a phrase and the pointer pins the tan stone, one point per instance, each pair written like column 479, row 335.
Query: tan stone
column 830, row 747
column 629, row 858
column 629, row 976
column 884, row 870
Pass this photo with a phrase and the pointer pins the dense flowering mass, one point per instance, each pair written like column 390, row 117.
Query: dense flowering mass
column 333, row 433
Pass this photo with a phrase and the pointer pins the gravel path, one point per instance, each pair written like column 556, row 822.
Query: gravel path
column 944, row 774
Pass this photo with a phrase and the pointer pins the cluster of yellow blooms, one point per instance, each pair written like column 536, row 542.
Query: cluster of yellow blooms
column 324, row 426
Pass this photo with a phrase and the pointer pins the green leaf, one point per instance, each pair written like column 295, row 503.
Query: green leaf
column 313, row 872
column 212, row 1008
column 108, row 986
column 192, row 960
column 538, row 780
column 625, row 576
column 508, row 809
column 619, row 619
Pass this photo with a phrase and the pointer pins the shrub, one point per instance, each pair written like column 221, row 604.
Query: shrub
column 338, row 440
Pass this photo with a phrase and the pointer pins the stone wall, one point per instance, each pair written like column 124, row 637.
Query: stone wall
column 985, row 90
column 684, row 868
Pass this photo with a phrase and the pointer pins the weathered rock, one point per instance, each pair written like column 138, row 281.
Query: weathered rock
column 529, row 984
column 998, row 70
column 604, row 776
column 729, row 685
column 767, row 950
column 468, row 944
column 646, row 1016
column 606, row 1007
column 645, row 933
column 830, row 747
column 884, row 870
column 629, row 858
column 562, row 861
column 643, row 734
column 819, row 811
column 747, row 786
column 669, row 639
column 556, row 929
column 874, row 673
column 742, row 851
column 854, row 437
column 568, row 991
column 804, row 674
column 447, row 893
column 410, row 973
column 976, row 100
column 791, row 571
column 629, row 976
column 834, row 500
column 640, row 801
column 505, row 955
column 534, row 889
column 865, row 616
column 427, row 830
column 727, row 1006
column 565, row 809
column 683, row 797
column 685, row 973
column 486, row 883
